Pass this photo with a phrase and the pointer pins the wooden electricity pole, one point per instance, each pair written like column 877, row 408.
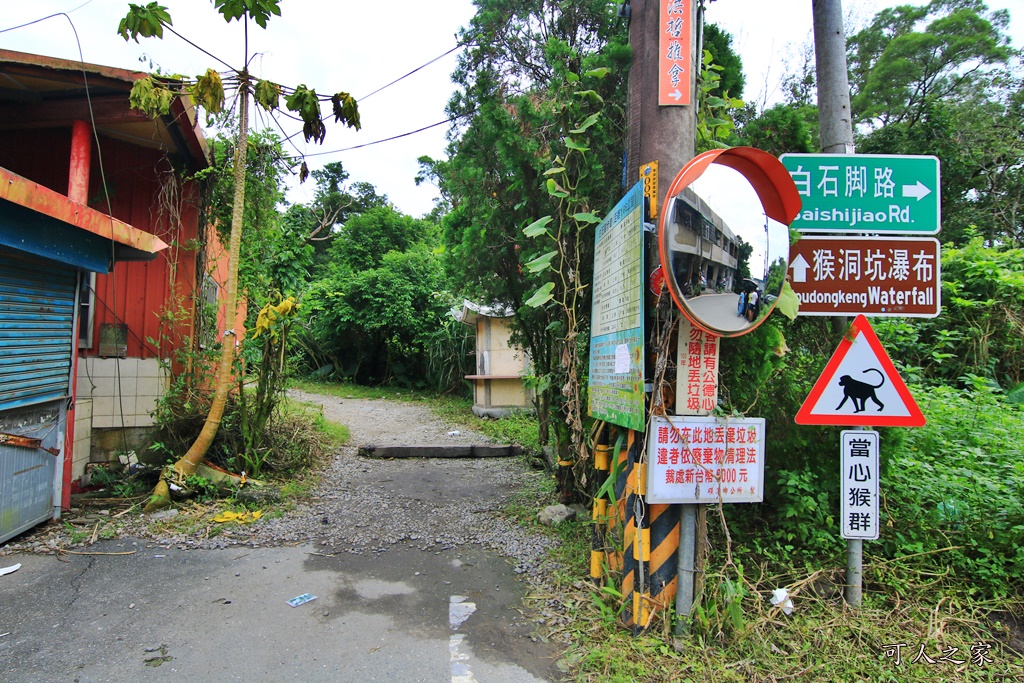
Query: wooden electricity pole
column 658, row 133
column 666, row 134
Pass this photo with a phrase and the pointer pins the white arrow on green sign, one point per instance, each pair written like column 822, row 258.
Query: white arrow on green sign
column 879, row 193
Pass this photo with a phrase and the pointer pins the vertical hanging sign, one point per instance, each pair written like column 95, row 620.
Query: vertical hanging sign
column 674, row 61
column 859, row 508
column 696, row 371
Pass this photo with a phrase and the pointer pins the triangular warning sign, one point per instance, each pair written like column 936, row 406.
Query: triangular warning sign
column 860, row 387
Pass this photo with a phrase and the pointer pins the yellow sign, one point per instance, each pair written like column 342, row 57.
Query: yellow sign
column 649, row 177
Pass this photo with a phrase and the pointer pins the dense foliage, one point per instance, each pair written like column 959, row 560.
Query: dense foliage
column 527, row 80
column 380, row 300
column 956, row 488
column 534, row 161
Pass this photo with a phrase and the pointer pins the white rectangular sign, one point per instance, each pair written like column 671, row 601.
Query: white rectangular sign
column 702, row 459
column 859, row 507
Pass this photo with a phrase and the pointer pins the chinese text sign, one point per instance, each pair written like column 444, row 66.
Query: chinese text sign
column 702, row 459
column 696, row 371
column 875, row 193
column 859, row 504
column 674, row 60
column 617, row 323
column 875, row 276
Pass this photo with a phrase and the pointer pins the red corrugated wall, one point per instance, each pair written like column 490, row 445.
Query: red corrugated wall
column 152, row 298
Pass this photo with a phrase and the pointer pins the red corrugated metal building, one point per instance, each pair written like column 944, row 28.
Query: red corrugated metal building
column 121, row 163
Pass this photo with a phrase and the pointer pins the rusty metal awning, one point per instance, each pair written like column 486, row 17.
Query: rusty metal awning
column 46, row 92
column 38, row 220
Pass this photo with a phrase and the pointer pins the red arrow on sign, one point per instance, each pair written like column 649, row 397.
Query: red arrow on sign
column 860, row 387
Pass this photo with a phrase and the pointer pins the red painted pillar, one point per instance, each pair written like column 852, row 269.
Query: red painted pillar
column 81, row 157
column 78, row 190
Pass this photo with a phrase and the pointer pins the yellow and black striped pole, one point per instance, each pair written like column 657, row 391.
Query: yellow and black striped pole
column 626, row 498
column 664, row 544
column 602, row 463
column 650, row 540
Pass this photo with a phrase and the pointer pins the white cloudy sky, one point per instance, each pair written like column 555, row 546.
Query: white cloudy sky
column 361, row 46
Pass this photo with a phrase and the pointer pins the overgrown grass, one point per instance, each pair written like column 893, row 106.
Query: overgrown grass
column 738, row 635
column 332, row 434
column 351, row 390
column 955, row 488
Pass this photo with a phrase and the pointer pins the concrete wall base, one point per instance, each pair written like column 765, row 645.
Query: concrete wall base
column 499, row 411
column 108, row 442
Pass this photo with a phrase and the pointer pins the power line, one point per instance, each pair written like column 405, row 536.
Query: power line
column 422, row 66
column 383, row 87
column 50, row 16
column 377, row 142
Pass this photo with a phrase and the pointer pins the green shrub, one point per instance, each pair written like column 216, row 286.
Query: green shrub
column 958, row 483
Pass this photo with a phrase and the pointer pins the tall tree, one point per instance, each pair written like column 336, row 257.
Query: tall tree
column 154, row 96
column 780, row 129
column 941, row 79
column 334, row 202
column 910, row 56
column 980, row 145
column 719, row 43
column 379, row 299
column 517, row 87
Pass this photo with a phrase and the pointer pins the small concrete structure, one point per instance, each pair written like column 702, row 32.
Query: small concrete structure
column 498, row 383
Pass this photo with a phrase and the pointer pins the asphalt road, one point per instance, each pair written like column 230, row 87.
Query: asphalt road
column 222, row 615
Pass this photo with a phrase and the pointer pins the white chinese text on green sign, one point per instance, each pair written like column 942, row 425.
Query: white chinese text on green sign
column 866, row 193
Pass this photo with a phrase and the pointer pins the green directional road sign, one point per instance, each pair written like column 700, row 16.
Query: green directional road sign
column 881, row 193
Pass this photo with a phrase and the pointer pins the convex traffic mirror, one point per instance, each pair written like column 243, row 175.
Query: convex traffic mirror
column 724, row 238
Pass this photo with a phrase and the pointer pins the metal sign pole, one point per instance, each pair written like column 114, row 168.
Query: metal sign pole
column 854, row 592
column 854, row 571
column 685, row 568
column 859, row 508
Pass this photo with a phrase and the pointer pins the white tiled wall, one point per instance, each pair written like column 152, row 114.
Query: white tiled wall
column 123, row 390
column 83, row 434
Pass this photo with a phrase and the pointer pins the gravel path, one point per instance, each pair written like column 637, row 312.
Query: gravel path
column 366, row 505
column 359, row 505
column 389, row 423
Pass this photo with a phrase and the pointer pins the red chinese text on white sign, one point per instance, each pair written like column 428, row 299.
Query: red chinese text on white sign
column 699, row 459
column 696, row 371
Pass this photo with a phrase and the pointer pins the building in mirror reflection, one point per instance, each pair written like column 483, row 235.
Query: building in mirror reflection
column 706, row 253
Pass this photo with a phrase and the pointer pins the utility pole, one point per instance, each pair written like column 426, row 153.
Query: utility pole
column 836, row 123
column 654, row 132
column 663, row 129
column 834, row 116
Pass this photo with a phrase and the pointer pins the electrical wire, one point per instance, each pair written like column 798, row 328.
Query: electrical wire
column 383, row 87
column 422, row 66
column 288, row 138
column 110, row 215
column 51, row 16
column 377, row 142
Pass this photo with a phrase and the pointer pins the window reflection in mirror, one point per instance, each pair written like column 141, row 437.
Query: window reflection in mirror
column 728, row 259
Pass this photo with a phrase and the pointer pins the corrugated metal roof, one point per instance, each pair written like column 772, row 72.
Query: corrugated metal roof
column 36, row 90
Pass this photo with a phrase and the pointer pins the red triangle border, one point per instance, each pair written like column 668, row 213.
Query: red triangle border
column 861, row 326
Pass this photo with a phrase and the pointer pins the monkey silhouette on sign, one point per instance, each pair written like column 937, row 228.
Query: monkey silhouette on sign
column 859, row 392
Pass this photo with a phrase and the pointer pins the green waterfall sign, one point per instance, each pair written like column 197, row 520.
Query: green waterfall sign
column 866, row 193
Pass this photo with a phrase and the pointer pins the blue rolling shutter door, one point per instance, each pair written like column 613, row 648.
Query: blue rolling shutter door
column 37, row 312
